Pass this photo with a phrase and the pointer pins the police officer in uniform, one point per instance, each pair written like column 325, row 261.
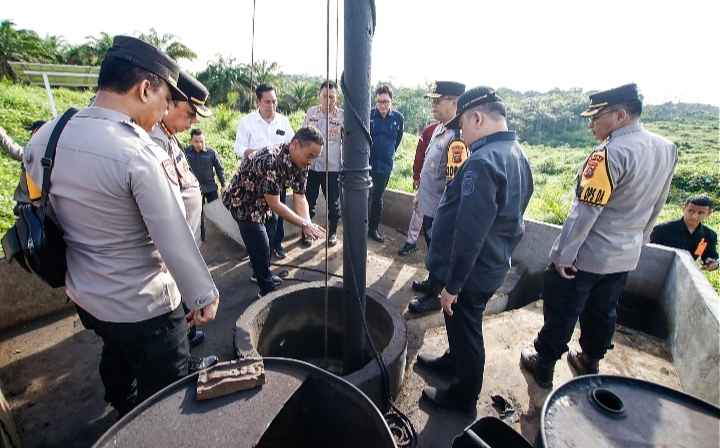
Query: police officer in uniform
column 317, row 117
column 130, row 254
column 436, row 173
column 619, row 192
column 180, row 117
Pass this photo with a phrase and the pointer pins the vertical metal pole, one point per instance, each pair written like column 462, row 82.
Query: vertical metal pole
column 49, row 93
column 355, row 179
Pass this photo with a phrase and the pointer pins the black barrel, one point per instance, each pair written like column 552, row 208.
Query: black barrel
column 300, row 405
column 615, row 411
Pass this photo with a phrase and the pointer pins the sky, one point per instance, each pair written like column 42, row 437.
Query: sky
column 669, row 49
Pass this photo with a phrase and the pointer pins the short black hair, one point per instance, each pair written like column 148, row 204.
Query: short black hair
column 262, row 88
column 308, row 135
column 633, row 108
column 384, row 89
column 329, row 85
column 119, row 76
column 195, row 132
column 701, row 200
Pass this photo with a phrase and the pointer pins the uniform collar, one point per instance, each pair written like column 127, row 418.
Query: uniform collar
column 494, row 137
column 637, row 127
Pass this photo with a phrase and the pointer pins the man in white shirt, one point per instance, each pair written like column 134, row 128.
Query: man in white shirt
column 260, row 129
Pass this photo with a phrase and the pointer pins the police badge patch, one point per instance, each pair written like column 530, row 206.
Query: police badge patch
column 170, row 171
column 468, row 183
column 595, row 183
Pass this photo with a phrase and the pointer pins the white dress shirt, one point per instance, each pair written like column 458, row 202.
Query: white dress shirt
column 254, row 132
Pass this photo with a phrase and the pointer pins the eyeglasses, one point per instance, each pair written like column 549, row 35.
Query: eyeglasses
column 382, row 102
column 438, row 100
column 596, row 116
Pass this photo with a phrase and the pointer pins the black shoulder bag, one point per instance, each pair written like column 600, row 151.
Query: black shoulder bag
column 36, row 241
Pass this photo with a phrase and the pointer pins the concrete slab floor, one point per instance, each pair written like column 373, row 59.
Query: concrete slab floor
column 48, row 368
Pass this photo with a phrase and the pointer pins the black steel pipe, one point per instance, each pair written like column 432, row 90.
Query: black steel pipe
column 354, row 177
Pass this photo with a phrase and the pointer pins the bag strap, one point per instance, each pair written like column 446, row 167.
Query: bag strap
column 49, row 160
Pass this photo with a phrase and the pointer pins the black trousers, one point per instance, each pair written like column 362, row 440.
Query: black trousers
column 467, row 346
column 257, row 237
column 208, row 197
column 375, row 200
column 427, row 229
column 591, row 298
column 280, row 227
column 316, row 181
column 140, row 358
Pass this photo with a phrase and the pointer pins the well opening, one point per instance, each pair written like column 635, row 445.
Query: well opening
column 291, row 324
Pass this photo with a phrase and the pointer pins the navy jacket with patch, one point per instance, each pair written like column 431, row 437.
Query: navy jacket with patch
column 480, row 218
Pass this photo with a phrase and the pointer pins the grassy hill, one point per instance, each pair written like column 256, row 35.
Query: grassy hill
column 693, row 128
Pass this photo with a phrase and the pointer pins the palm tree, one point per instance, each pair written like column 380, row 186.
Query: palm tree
column 20, row 45
column 169, row 44
column 92, row 52
column 300, row 96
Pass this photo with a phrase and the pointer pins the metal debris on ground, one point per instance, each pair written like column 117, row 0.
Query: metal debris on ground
column 505, row 409
column 231, row 376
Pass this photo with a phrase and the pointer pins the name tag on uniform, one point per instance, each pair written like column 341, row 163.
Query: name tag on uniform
column 280, row 132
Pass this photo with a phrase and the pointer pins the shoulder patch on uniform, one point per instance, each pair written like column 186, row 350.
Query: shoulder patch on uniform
column 456, row 156
column 468, row 183
column 170, row 171
column 595, row 184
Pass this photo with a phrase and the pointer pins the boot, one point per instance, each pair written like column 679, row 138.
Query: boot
column 332, row 234
column 421, row 285
column 542, row 368
column 429, row 302
column 584, row 364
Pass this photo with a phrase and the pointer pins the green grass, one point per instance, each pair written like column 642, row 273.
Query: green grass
column 553, row 167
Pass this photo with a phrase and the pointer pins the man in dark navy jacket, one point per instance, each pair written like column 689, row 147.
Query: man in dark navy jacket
column 386, row 130
column 477, row 226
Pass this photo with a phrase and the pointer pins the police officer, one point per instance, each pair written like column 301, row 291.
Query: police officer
column 478, row 224
column 180, row 117
column 130, row 255
column 619, row 192
column 436, row 172
column 318, row 117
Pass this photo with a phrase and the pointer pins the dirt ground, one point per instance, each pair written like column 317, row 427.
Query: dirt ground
column 48, row 369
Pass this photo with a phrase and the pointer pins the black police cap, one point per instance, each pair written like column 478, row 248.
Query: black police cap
column 150, row 58
column 196, row 92
column 473, row 97
column 35, row 125
column 442, row 88
column 618, row 95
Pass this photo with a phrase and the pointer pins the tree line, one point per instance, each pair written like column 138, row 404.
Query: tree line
column 548, row 118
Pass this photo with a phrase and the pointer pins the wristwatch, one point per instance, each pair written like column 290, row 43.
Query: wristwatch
column 304, row 224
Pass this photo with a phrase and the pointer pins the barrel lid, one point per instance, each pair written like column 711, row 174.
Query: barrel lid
column 611, row 411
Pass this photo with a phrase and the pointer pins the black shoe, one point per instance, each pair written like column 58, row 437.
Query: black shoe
column 262, row 294
column 199, row 337
column 374, row 234
column 425, row 304
column 332, row 240
column 444, row 364
column 280, row 252
column 441, row 399
column 197, row 363
column 307, row 242
column 421, row 285
column 407, row 248
column 542, row 369
column 582, row 363
column 275, row 279
column 244, row 255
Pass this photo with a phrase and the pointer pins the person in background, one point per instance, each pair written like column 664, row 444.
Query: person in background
column 689, row 233
column 257, row 130
column 386, row 130
column 16, row 152
column 205, row 164
column 317, row 117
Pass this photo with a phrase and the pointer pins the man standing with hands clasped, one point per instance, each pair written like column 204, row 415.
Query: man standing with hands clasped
column 477, row 226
